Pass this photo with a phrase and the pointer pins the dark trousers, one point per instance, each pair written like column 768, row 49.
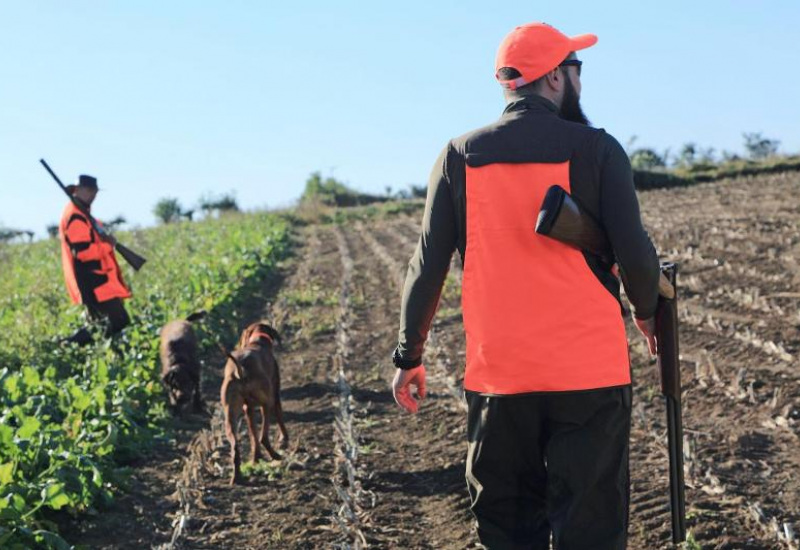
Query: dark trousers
column 111, row 312
column 550, row 464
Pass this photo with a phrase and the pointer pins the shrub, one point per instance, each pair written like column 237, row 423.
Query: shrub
column 210, row 205
column 167, row 210
column 332, row 192
column 646, row 159
column 759, row 147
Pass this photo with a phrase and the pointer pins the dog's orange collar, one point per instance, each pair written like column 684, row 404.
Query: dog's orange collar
column 257, row 335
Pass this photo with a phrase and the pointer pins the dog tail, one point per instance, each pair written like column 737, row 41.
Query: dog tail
column 197, row 316
column 229, row 355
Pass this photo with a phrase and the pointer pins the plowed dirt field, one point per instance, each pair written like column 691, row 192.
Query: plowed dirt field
column 360, row 474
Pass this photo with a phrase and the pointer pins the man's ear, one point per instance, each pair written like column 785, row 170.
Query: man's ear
column 554, row 79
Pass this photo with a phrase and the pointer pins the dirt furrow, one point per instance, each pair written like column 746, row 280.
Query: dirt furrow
column 390, row 256
column 449, row 345
column 714, row 518
column 407, row 230
column 741, row 402
column 354, row 502
column 650, row 511
column 285, row 504
column 414, row 463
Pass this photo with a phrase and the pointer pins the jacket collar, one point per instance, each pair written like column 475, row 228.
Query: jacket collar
column 531, row 103
column 79, row 204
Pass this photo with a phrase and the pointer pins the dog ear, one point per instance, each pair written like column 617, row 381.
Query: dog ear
column 272, row 332
column 197, row 316
column 245, row 337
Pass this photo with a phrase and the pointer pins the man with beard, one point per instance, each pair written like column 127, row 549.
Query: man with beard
column 547, row 375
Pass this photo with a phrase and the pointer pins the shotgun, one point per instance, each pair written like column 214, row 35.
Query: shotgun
column 669, row 365
column 563, row 219
column 135, row 261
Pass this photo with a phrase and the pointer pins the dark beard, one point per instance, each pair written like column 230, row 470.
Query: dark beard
column 571, row 105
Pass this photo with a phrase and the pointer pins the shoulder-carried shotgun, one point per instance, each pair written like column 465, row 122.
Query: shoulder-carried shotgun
column 135, row 261
column 563, row 219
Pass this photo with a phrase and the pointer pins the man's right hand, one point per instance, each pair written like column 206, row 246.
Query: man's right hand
column 648, row 329
column 401, row 387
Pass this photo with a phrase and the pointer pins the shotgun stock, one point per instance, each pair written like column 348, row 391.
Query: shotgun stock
column 563, row 219
column 133, row 259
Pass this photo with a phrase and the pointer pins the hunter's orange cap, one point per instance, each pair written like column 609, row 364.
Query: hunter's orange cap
column 534, row 49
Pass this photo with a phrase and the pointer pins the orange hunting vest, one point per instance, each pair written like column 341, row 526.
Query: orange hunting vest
column 536, row 318
column 98, row 260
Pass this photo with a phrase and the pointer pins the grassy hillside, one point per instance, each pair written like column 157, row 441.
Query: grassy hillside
column 707, row 171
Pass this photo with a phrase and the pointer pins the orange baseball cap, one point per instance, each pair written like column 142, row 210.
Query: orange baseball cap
column 534, row 49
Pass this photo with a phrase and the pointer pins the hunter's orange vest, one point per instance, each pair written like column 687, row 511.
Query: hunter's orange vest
column 536, row 317
column 75, row 228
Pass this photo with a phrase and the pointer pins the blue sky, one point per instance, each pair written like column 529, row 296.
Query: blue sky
column 183, row 99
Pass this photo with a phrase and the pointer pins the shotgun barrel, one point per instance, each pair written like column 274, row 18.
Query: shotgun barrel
column 669, row 366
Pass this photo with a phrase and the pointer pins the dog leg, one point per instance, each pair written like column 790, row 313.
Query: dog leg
column 283, row 440
column 265, row 434
column 230, row 433
column 254, row 447
column 198, row 404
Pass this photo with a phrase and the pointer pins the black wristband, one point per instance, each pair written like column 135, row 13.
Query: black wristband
column 404, row 364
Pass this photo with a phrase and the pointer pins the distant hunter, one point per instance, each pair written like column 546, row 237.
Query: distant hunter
column 91, row 270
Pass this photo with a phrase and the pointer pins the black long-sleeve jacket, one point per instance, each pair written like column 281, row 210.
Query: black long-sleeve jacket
column 601, row 180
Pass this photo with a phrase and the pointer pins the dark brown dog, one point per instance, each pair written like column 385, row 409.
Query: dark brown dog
column 180, row 367
column 252, row 381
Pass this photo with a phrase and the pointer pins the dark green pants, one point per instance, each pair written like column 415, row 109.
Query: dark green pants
column 550, row 464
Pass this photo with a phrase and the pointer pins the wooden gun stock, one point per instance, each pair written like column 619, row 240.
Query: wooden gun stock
column 562, row 218
column 133, row 259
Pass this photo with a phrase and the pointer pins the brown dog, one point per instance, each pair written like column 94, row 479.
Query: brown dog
column 251, row 381
column 180, row 367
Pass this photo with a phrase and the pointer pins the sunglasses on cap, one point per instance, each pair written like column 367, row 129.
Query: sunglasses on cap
column 576, row 62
